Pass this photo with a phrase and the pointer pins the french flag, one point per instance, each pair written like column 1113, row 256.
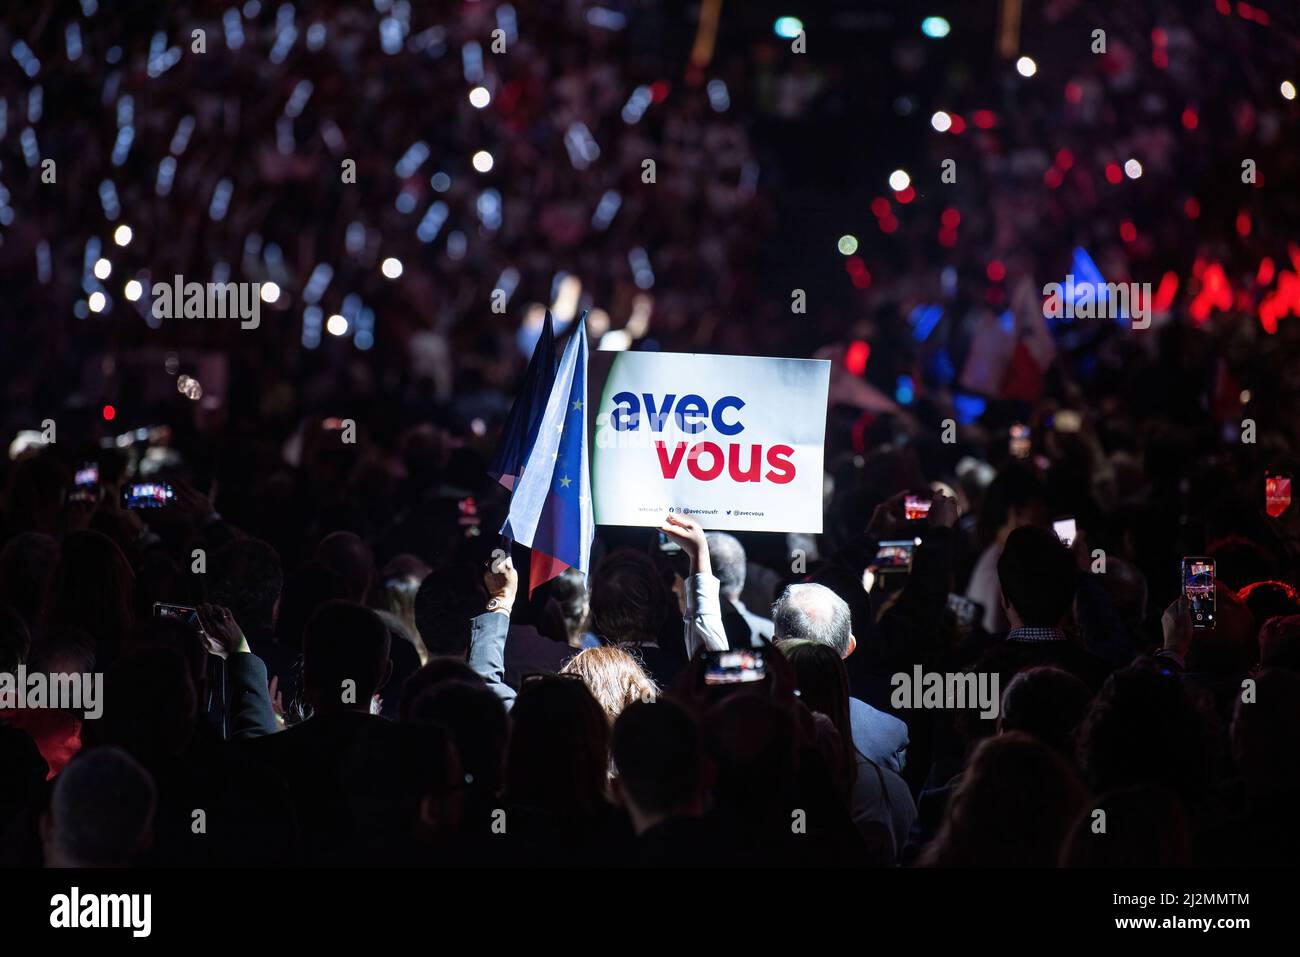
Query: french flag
column 550, row 510
column 526, row 414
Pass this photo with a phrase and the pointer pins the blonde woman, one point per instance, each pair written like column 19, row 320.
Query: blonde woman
column 613, row 676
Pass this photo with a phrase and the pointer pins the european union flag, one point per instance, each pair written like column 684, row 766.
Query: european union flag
column 550, row 510
column 526, row 414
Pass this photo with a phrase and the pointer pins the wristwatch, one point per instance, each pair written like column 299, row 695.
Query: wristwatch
column 496, row 604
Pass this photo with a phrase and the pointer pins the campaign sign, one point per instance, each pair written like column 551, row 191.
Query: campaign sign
column 733, row 441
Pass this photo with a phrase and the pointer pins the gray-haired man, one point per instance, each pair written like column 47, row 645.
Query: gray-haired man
column 815, row 613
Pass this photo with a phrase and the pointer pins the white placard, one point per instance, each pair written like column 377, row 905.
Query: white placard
column 734, row 441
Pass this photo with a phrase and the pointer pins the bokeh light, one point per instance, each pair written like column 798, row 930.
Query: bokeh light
column 936, row 28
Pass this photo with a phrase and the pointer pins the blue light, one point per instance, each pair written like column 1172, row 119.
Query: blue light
column 968, row 408
column 924, row 319
column 787, row 28
column 903, row 392
column 936, row 28
column 940, row 368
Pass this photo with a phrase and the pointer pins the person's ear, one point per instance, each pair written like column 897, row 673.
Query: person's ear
column 853, row 644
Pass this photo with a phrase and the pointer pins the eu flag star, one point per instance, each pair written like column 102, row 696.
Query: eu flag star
column 566, row 482
column 577, row 404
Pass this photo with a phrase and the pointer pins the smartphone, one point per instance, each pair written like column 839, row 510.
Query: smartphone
column 1198, row 589
column 185, row 613
column 1020, row 440
column 734, row 667
column 666, row 544
column 915, row 508
column 966, row 611
column 1277, row 493
column 1065, row 530
column 148, row 495
column 895, row 556
column 87, row 476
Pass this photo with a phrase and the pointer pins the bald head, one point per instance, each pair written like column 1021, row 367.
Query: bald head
column 814, row 613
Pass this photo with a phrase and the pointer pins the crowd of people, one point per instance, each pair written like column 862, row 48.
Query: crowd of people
column 321, row 651
column 350, row 702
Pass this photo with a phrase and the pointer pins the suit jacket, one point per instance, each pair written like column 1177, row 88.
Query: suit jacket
column 744, row 628
column 311, row 758
column 878, row 736
column 487, row 653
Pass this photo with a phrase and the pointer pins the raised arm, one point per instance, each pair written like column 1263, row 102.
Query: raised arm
column 487, row 640
column 702, row 621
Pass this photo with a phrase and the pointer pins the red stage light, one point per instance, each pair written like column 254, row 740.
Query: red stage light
column 951, row 218
column 1166, row 291
column 1128, row 232
column 109, row 413
column 1192, row 207
column 856, row 358
column 1114, row 174
column 1266, row 271
column 996, row 271
column 1190, row 119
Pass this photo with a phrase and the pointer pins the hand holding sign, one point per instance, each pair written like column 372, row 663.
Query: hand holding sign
column 687, row 533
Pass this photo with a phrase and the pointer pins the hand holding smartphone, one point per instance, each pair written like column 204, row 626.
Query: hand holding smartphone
column 1198, row 589
column 915, row 508
column 896, row 555
column 745, row 666
column 1065, row 530
column 141, row 495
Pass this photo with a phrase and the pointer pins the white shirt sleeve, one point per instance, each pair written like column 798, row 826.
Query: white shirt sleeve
column 703, row 619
